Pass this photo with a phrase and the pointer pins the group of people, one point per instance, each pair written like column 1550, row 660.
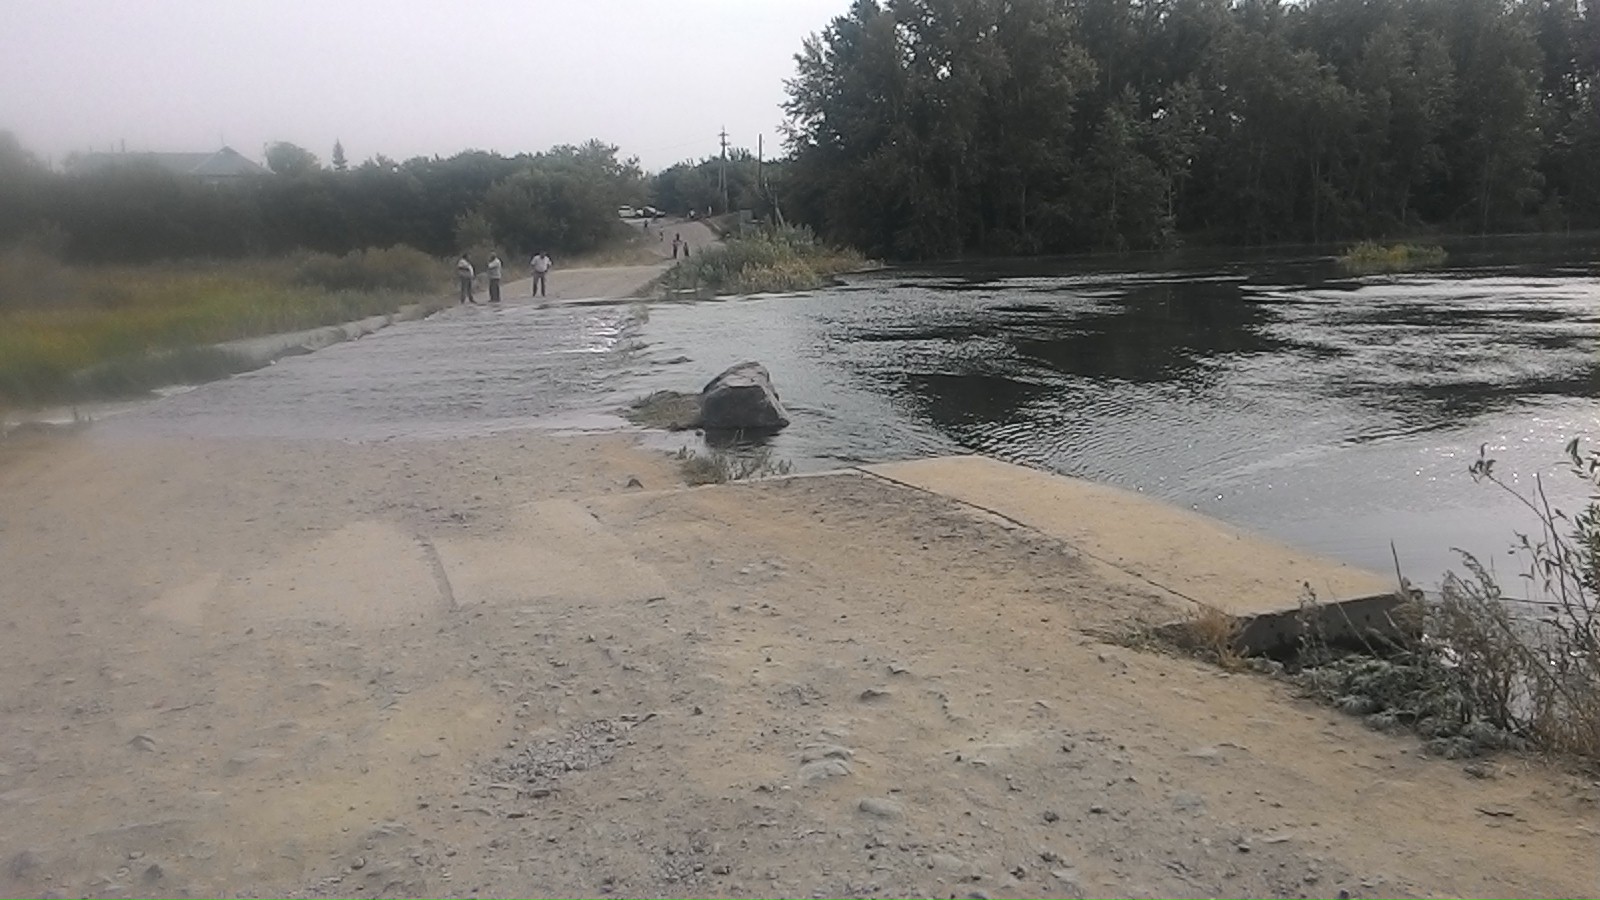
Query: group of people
column 467, row 276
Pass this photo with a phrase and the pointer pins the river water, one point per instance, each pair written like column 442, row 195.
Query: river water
column 1338, row 414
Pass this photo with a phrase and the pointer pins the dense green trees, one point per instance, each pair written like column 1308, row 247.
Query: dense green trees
column 563, row 200
column 923, row 128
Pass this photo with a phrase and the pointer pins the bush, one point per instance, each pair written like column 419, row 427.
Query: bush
column 777, row 259
column 398, row 268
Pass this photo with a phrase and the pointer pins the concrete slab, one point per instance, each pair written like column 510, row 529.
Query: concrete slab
column 554, row 549
column 1248, row 576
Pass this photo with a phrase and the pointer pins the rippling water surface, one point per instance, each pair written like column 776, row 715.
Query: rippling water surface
column 1335, row 413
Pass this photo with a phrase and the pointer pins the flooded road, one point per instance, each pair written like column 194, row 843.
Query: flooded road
column 1335, row 413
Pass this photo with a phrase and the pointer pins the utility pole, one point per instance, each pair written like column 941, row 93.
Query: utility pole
column 723, row 177
column 760, row 188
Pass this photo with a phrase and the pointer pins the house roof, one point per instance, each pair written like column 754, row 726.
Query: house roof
column 224, row 163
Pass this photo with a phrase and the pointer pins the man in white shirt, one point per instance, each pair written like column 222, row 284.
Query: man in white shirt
column 541, row 266
column 464, row 276
column 494, row 277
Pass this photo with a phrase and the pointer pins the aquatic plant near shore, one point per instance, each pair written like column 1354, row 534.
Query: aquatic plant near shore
column 1369, row 257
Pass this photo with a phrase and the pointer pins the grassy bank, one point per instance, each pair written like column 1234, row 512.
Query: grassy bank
column 779, row 259
column 1370, row 258
column 69, row 334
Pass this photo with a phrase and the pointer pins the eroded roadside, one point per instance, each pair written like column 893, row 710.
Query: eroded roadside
column 489, row 666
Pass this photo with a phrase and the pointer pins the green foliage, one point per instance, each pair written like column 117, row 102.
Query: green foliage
column 563, row 200
column 774, row 259
column 288, row 159
column 1369, row 257
column 931, row 129
column 388, row 269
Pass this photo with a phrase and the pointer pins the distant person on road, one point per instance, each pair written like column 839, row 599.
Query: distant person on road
column 494, row 277
column 677, row 244
column 464, row 276
column 541, row 266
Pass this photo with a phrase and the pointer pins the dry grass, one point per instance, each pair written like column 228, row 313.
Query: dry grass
column 1211, row 635
column 719, row 466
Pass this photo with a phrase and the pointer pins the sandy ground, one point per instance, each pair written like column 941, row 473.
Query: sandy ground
column 493, row 667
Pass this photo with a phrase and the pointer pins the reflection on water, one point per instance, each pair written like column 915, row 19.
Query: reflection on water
column 1334, row 413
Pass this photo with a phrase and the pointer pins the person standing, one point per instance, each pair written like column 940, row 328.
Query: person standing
column 464, row 276
column 541, row 267
column 494, row 277
column 677, row 244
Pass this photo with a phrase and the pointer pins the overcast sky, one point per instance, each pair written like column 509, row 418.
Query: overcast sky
column 658, row 78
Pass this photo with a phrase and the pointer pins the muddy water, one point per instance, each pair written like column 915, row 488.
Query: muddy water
column 1336, row 413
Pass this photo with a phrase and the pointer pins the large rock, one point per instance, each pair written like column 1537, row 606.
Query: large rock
column 742, row 398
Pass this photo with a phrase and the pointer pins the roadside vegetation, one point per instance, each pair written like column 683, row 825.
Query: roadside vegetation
column 1371, row 258
column 771, row 260
column 1476, row 669
column 70, row 333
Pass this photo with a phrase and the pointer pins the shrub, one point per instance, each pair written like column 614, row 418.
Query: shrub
column 776, row 259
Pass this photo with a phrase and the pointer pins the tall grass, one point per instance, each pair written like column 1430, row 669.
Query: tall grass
column 778, row 259
column 71, row 334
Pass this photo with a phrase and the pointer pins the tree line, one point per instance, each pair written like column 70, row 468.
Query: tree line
column 563, row 200
column 931, row 128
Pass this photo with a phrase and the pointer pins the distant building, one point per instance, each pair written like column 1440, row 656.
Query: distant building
column 217, row 167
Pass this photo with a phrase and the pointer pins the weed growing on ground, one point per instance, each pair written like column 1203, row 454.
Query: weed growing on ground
column 1211, row 635
column 720, row 466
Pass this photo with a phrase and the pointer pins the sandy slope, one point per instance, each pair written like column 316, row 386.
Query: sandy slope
column 490, row 667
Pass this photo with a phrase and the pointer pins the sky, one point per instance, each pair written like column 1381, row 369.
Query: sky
column 658, row 78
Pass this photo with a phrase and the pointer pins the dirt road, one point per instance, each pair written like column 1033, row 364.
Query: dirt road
column 491, row 667
column 616, row 282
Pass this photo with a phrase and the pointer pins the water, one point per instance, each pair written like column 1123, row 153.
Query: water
column 1337, row 414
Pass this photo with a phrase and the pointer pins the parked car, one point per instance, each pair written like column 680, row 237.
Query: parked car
column 626, row 212
column 649, row 212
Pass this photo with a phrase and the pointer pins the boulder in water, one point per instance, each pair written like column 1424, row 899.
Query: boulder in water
column 742, row 399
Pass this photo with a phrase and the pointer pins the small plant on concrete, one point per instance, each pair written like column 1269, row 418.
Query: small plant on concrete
column 719, row 466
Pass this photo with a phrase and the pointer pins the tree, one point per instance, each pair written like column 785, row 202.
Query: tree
column 285, row 158
column 339, row 163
